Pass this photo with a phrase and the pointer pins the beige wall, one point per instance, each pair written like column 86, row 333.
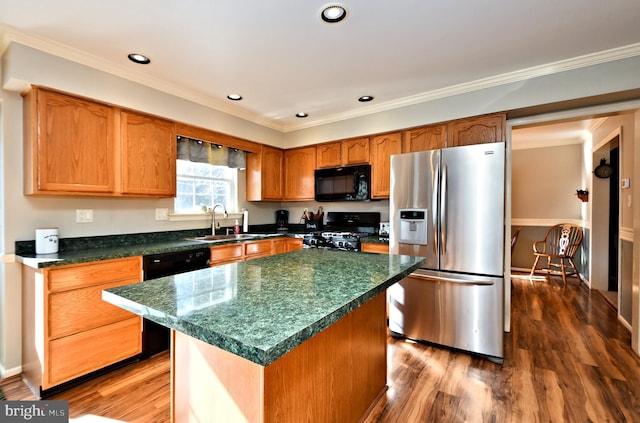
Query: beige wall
column 544, row 182
column 625, row 123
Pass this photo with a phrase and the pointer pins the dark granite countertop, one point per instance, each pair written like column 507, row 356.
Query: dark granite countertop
column 263, row 308
column 86, row 250
column 376, row 239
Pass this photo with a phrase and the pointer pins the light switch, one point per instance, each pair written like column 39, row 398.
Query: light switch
column 84, row 216
column 162, row 214
column 625, row 183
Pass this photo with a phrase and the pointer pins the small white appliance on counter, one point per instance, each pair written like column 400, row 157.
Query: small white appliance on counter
column 448, row 206
column 47, row 241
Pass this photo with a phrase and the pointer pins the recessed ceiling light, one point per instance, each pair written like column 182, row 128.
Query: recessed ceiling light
column 333, row 13
column 365, row 98
column 234, row 97
column 301, row 115
column 139, row 58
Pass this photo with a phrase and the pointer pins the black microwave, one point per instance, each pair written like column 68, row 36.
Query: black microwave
column 347, row 183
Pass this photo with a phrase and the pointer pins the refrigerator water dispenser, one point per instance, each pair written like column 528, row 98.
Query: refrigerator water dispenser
column 413, row 226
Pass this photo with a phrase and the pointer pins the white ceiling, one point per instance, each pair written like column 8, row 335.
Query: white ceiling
column 283, row 59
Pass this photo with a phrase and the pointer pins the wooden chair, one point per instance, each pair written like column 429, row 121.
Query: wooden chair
column 514, row 239
column 560, row 243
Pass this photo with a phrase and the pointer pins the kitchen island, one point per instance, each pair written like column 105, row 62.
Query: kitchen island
column 294, row 337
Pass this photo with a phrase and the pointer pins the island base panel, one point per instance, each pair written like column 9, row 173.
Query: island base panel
column 334, row 376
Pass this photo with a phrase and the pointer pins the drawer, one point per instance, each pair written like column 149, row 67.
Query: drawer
column 294, row 244
column 260, row 248
column 82, row 353
column 95, row 273
column 226, row 253
column 280, row 246
column 82, row 309
column 374, row 247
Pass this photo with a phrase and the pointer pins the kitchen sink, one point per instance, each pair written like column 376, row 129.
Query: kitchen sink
column 220, row 238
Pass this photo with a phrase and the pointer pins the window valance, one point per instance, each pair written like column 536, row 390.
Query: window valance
column 206, row 152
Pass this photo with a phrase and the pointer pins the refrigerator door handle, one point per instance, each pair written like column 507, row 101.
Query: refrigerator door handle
column 457, row 281
column 434, row 210
column 443, row 210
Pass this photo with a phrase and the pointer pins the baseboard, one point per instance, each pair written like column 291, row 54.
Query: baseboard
column 5, row 373
column 527, row 270
column 624, row 323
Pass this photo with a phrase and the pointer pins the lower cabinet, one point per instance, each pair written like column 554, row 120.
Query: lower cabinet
column 374, row 247
column 68, row 331
column 285, row 245
column 81, row 353
column 229, row 253
column 257, row 249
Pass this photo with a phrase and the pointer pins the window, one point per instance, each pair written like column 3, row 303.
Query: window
column 203, row 184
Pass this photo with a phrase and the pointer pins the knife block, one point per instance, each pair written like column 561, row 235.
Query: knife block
column 313, row 225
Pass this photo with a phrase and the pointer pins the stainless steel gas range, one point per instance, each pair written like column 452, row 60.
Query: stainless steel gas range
column 344, row 230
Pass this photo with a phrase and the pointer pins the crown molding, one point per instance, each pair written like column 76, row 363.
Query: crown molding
column 10, row 34
column 516, row 76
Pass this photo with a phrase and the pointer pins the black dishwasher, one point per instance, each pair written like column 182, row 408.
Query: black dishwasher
column 155, row 337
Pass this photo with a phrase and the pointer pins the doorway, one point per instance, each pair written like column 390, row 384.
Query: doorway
column 614, row 217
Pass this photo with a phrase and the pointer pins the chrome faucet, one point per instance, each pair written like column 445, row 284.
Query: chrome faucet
column 213, row 216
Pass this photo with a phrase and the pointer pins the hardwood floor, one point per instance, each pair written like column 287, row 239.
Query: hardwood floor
column 566, row 359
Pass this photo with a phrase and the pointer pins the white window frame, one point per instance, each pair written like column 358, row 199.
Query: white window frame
column 193, row 214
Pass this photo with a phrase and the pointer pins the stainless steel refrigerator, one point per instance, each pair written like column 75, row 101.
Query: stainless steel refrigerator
column 448, row 206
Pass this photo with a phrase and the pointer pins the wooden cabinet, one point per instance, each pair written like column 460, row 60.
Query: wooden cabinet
column 329, row 155
column 230, row 253
column 477, row 130
column 227, row 253
column 374, row 247
column 294, row 244
column 382, row 147
column 148, row 154
column 264, row 175
column 343, row 153
column 286, row 244
column 76, row 146
column 70, row 145
column 299, row 165
column 432, row 137
column 68, row 331
column 355, row 151
column 257, row 249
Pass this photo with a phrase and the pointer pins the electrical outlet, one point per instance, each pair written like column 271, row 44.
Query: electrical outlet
column 162, row 214
column 84, row 216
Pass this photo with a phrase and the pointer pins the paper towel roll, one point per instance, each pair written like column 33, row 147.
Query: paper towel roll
column 47, row 241
column 245, row 221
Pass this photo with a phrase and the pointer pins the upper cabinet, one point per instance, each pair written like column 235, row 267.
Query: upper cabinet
column 264, row 174
column 76, row 146
column 432, row 137
column 70, row 145
column 382, row 148
column 343, row 153
column 299, row 180
column 329, row 155
column 148, row 154
column 477, row 130
column 355, row 151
